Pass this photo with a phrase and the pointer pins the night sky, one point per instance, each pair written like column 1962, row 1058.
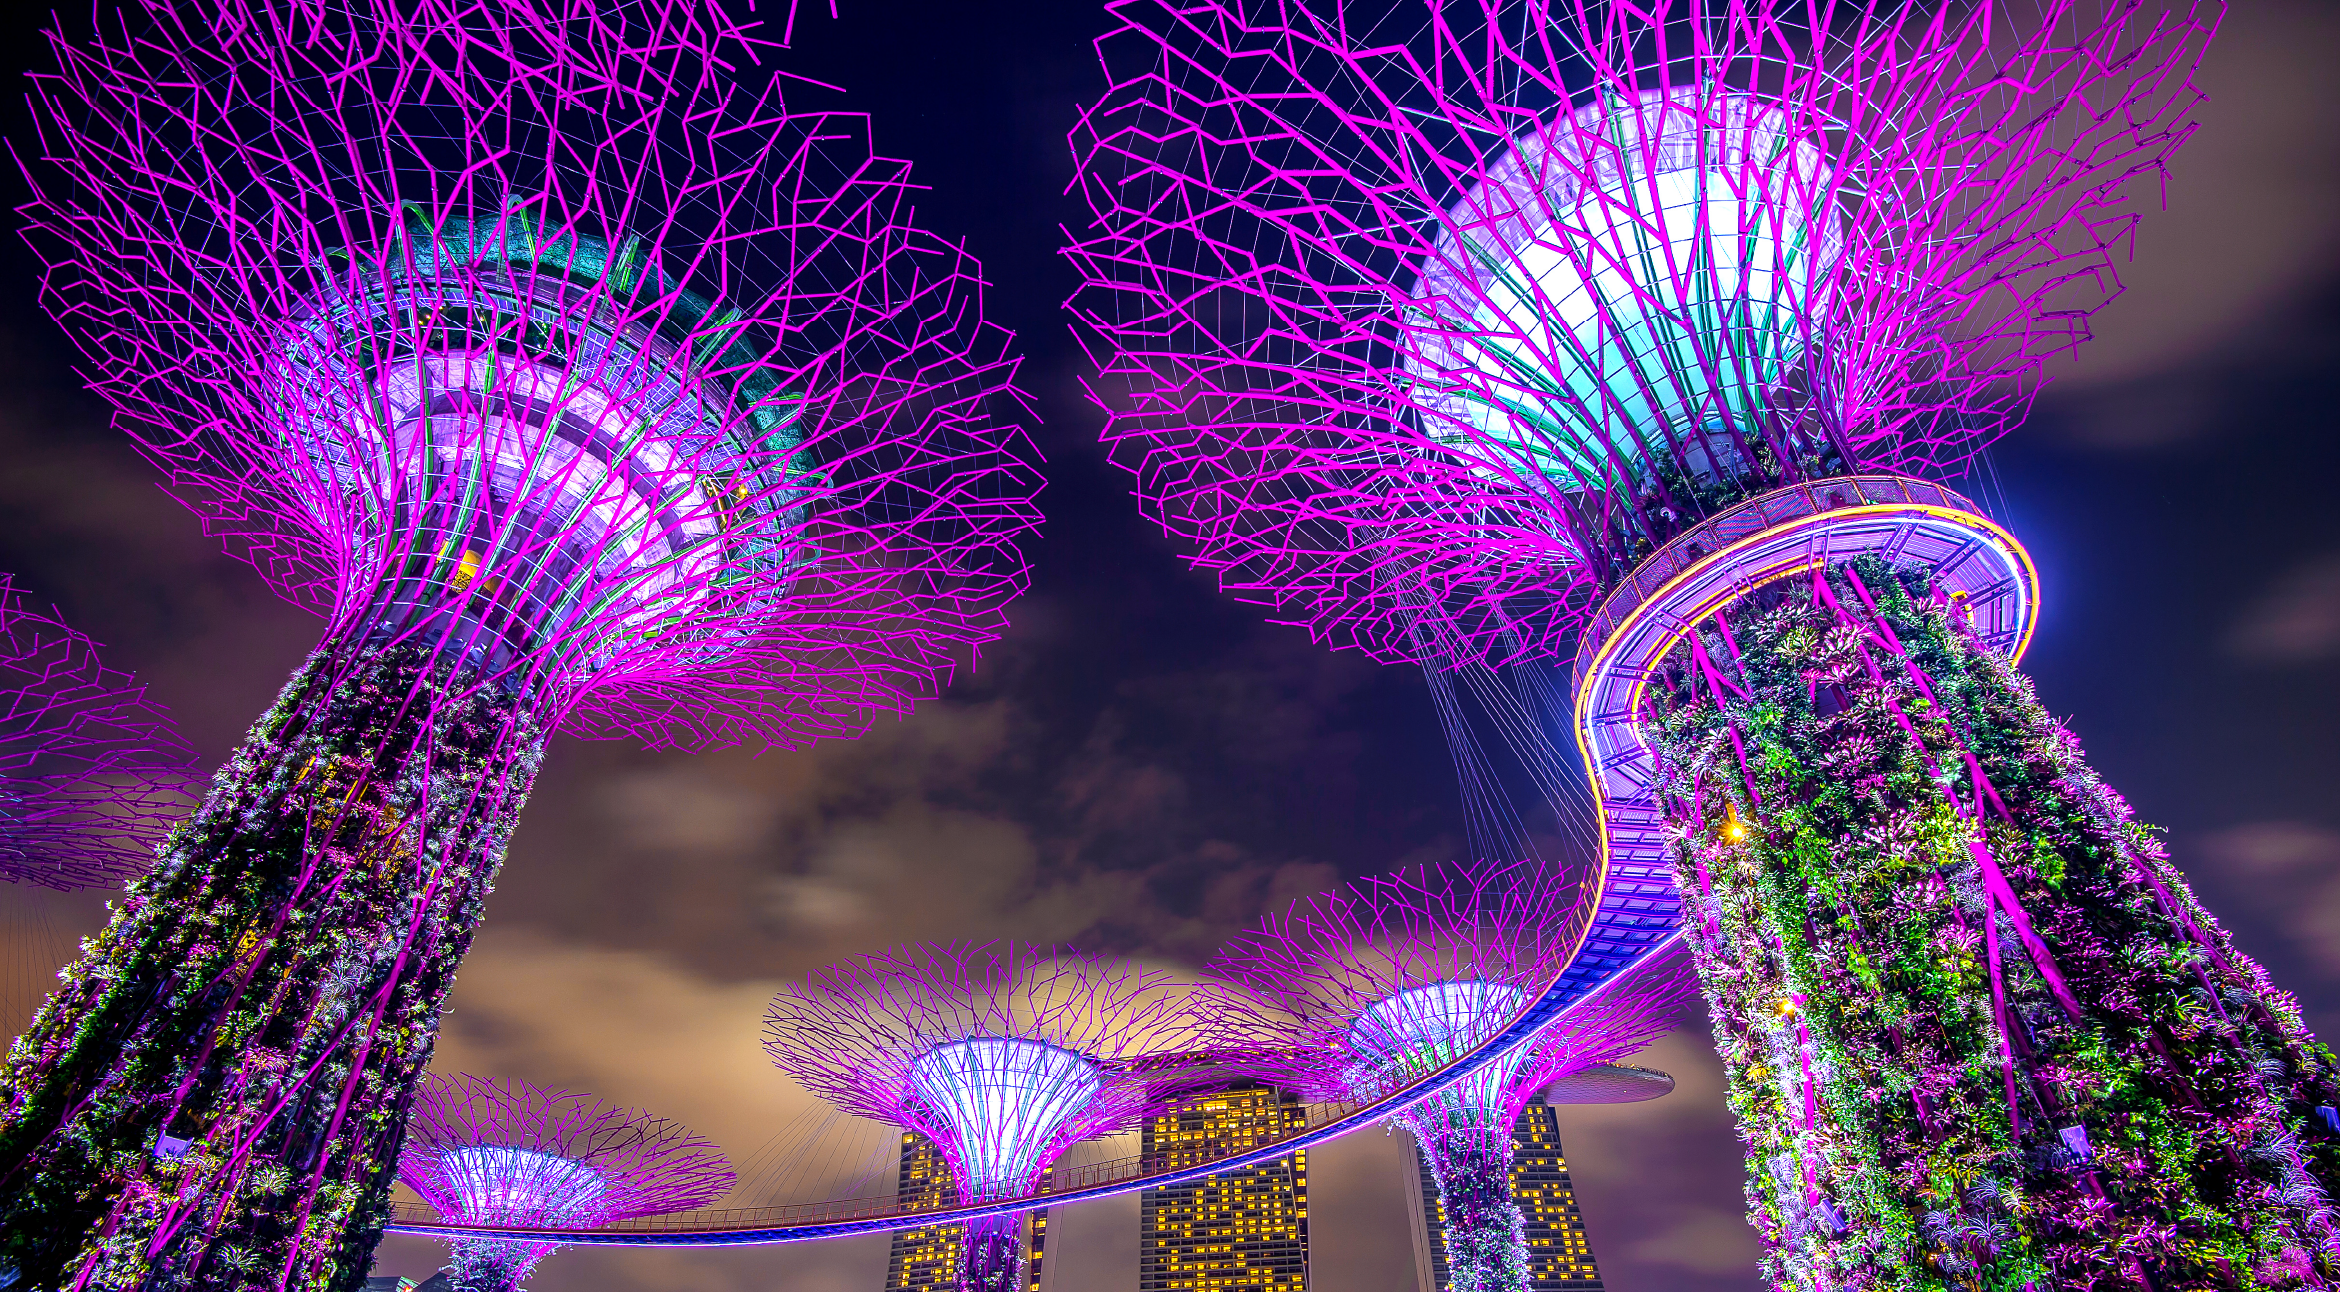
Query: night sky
column 1144, row 766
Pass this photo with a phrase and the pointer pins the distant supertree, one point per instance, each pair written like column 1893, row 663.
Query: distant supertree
column 1003, row 1054
column 92, row 773
column 1356, row 993
column 580, row 384
column 509, row 1153
column 1647, row 331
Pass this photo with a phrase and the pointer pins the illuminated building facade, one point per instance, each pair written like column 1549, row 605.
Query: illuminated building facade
column 1560, row 1256
column 1245, row 1231
column 926, row 1259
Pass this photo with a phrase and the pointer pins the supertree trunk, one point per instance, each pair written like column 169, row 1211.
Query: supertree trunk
column 1486, row 1236
column 478, row 1266
column 1978, row 1032
column 236, row 1125
column 991, row 1258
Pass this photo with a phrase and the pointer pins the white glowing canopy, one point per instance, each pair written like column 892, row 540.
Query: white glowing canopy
column 1413, row 1031
column 1007, row 1100
column 501, row 1185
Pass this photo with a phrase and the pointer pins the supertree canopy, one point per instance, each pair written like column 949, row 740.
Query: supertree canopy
column 1355, row 994
column 1003, row 1054
column 507, row 1153
column 1645, row 331
column 1427, row 339
column 579, row 383
column 91, row 771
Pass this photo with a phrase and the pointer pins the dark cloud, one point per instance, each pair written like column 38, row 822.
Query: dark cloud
column 996, row 812
column 2252, row 222
column 2281, row 880
column 2296, row 621
column 1660, row 1182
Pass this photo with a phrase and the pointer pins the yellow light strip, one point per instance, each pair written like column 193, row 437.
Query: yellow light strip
column 1738, row 587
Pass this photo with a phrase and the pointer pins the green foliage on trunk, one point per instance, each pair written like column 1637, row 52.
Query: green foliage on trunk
column 1978, row 1032
column 216, row 1096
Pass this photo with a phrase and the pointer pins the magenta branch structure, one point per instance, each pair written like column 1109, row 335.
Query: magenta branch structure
column 509, row 1153
column 1356, row 993
column 92, row 773
column 1001, row 1053
column 1468, row 333
column 580, row 384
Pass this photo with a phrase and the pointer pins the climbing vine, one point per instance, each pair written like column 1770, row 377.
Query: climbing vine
column 1486, row 1233
column 216, row 1096
column 1978, row 1032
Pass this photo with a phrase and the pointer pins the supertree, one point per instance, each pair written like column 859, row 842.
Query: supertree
column 91, row 772
column 512, row 1154
column 1002, row 1053
column 581, row 385
column 1640, row 332
column 1352, row 995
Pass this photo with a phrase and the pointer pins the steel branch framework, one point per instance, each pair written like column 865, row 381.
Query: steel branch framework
column 509, row 1153
column 550, row 338
column 1003, row 1054
column 579, row 382
column 92, row 773
column 1426, row 337
column 1562, row 998
column 1432, row 338
column 1363, row 991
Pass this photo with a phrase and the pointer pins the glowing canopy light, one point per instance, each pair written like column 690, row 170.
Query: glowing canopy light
column 509, row 1153
column 1007, row 1101
column 1353, row 995
column 545, row 442
column 1001, row 1053
column 518, row 1186
column 1640, row 272
column 1425, row 332
column 580, row 383
column 1421, row 1029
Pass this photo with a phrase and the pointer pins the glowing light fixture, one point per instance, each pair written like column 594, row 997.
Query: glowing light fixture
column 500, row 1185
column 1420, row 1029
column 1009, row 1102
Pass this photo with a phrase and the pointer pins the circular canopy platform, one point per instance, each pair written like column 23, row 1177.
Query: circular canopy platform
column 1609, row 1083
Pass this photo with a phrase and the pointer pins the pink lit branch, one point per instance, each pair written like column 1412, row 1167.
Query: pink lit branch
column 92, row 774
column 1356, row 993
column 583, row 382
column 856, row 1034
column 1001, row 1053
column 510, row 1153
column 1423, row 340
column 1351, row 994
column 784, row 488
